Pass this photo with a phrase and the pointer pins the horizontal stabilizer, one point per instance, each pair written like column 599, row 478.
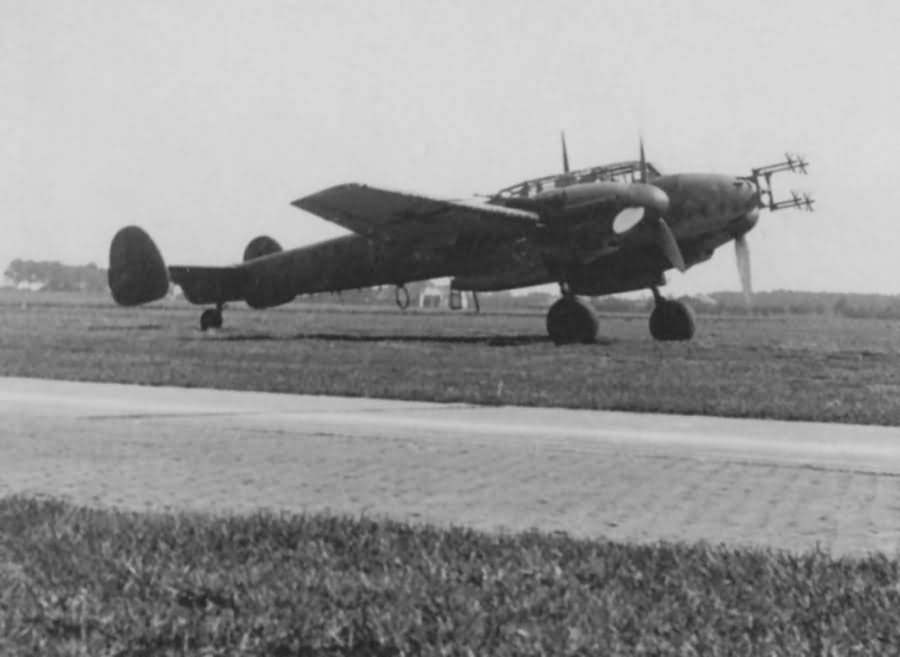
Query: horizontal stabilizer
column 137, row 273
column 210, row 284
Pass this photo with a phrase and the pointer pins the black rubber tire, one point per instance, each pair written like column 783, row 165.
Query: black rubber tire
column 672, row 320
column 570, row 321
column 211, row 318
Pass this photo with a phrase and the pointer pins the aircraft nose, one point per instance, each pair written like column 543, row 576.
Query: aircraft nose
column 747, row 194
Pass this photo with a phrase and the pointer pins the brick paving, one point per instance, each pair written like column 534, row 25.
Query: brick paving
column 161, row 449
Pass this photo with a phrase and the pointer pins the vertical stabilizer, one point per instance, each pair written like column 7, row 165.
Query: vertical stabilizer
column 137, row 273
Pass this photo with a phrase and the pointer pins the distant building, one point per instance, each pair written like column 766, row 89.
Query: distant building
column 438, row 296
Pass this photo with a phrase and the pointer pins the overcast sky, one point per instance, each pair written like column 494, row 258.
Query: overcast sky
column 201, row 121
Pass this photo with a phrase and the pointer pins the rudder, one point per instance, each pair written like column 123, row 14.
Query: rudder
column 137, row 273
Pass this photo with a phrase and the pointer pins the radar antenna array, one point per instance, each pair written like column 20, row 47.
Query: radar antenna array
column 761, row 177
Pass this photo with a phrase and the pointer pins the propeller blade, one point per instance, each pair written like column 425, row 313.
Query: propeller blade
column 565, row 153
column 742, row 253
column 669, row 246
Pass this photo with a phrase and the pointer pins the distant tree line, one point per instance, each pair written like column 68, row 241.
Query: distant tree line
column 777, row 302
column 764, row 304
column 791, row 302
column 57, row 277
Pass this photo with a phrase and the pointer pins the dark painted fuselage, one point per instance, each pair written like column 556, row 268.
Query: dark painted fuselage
column 704, row 211
column 350, row 262
column 575, row 240
column 703, row 204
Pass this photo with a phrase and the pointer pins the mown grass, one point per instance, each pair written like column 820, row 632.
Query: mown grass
column 100, row 582
column 801, row 368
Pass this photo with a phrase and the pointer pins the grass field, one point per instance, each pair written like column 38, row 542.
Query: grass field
column 105, row 582
column 79, row 581
column 801, row 368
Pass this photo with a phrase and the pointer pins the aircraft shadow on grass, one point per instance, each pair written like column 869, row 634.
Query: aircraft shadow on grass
column 126, row 327
column 489, row 340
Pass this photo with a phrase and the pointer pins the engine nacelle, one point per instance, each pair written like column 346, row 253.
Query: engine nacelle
column 498, row 281
column 618, row 272
column 261, row 246
column 603, row 286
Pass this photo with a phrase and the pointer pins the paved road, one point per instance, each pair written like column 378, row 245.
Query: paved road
column 618, row 475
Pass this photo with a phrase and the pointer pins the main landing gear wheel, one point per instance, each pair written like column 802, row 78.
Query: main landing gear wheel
column 570, row 321
column 672, row 320
column 211, row 318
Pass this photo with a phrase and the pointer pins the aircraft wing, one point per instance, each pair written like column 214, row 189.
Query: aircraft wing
column 392, row 215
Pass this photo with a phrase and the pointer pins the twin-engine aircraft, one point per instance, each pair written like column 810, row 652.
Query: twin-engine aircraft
column 596, row 231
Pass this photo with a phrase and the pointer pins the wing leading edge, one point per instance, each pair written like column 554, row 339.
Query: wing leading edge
column 392, row 215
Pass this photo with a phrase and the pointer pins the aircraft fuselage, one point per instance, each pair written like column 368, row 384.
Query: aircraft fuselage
column 716, row 208
column 701, row 203
column 601, row 230
column 347, row 262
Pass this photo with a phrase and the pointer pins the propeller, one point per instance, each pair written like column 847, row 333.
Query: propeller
column 565, row 153
column 669, row 246
column 665, row 238
column 742, row 253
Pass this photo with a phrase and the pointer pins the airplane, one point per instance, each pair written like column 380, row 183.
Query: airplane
column 595, row 231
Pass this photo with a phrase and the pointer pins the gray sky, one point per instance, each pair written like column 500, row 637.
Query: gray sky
column 202, row 121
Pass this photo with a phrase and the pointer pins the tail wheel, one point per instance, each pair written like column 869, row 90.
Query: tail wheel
column 570, row 321
column 211, row 319
column 672, row 320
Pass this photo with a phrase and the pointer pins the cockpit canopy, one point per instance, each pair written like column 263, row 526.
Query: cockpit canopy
column 628, row 171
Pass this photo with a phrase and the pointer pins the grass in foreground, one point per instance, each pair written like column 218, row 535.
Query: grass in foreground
column 76, row 581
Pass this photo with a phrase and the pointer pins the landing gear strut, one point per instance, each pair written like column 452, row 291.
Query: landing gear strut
column 212, row 317
column 671, row 320
column 456, row 300
column 401, row 296
column 570, row 321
